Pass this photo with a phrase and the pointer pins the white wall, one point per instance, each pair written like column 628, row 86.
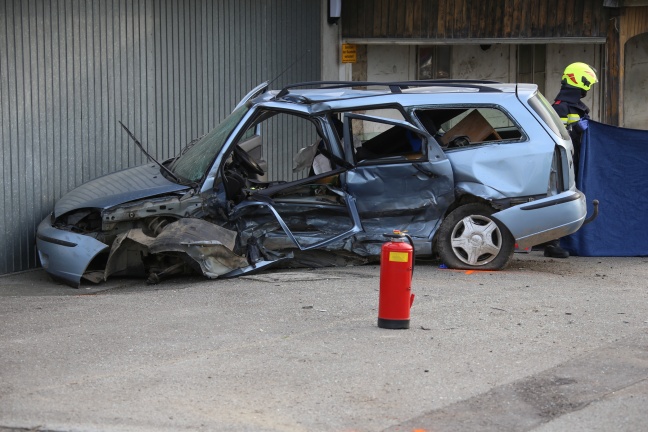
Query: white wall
column 332, row 67
column 559, row 56
column 635, row 113
column 473, row 62
column 391, row 62
column 498, row 62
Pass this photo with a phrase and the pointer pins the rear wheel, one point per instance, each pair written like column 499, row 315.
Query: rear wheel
column 469, row 238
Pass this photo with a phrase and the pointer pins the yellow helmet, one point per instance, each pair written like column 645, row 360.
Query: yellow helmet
column 579, row 75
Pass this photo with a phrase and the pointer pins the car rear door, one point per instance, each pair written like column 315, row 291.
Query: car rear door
column 399, row 178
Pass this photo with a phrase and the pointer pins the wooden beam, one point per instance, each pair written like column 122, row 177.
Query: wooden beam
column 612, row 89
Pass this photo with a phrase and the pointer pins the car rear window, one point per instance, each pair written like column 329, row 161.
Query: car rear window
column 462, row 126
column 544, row 109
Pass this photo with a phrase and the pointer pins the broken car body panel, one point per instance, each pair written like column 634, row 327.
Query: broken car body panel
column 361, row 163
column 66, row 255
column 117, row 188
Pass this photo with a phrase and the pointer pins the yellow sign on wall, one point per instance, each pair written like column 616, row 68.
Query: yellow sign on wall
column 349, row 53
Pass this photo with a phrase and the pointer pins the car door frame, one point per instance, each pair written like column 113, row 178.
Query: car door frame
column 433, row 167
column 263, row 200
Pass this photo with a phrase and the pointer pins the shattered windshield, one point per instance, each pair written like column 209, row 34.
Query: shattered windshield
column 194, row 161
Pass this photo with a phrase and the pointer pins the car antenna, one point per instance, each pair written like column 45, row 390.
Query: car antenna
column 289, row 66
column 139, row 144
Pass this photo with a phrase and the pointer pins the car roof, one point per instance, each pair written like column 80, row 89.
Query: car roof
column 326, row 91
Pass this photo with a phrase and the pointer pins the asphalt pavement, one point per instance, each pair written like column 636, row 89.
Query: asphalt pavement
column 546, row 345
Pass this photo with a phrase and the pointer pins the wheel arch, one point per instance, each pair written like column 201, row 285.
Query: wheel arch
column 461, row 200
column 475, row 248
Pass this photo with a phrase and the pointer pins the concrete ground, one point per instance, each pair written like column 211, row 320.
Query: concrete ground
column 547, row 345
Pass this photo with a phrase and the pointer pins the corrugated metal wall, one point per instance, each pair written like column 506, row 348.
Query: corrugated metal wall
column 169, row 69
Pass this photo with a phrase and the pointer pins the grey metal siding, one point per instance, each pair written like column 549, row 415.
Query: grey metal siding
column 169, row 69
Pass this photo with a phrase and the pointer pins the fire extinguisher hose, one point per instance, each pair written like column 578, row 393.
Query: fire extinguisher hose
column 411, row 242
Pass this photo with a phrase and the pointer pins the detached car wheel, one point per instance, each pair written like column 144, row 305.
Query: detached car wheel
column 469, row 238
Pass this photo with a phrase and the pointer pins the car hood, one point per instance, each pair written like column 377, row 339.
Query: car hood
column 107, row 191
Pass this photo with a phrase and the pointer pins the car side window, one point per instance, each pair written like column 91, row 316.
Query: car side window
column 376, row 141
column 284, row 145
column 279, row 149
column 462, row 127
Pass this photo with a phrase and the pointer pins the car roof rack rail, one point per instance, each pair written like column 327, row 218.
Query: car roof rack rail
column 395, row 86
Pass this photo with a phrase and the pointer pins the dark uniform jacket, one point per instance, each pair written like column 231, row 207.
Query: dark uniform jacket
column 571, row 111
column 569, row 106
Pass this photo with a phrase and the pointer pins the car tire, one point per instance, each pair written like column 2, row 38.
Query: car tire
column 469, row 238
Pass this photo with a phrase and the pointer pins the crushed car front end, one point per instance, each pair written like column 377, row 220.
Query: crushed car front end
column 86, row 220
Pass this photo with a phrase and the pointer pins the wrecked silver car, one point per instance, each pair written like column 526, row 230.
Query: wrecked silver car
column 468, row 169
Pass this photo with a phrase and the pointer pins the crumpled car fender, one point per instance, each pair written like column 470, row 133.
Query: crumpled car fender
column 209, row 245
column 477, row 189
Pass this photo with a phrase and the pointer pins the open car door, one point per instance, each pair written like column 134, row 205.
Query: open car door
column 283, row 210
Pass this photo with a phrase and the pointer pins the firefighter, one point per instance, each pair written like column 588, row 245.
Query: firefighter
column 577, row 80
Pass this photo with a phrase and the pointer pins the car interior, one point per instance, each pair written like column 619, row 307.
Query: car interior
column 461, row 127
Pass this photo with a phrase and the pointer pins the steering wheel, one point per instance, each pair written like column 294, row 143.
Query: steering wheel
column 246, row 161
column 460, row 141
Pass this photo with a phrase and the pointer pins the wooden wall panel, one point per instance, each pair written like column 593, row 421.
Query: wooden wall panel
column 383, row 18
column 473, row 19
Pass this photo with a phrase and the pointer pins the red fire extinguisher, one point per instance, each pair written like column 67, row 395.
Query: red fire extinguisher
column 396, row 270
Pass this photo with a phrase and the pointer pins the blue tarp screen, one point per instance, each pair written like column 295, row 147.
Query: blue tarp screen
column 613, row 168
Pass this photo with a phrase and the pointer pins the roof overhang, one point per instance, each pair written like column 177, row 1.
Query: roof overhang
column 508, row 41
column 624, row 3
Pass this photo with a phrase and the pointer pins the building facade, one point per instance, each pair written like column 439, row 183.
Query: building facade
column 170, row 70
column 508, row 40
